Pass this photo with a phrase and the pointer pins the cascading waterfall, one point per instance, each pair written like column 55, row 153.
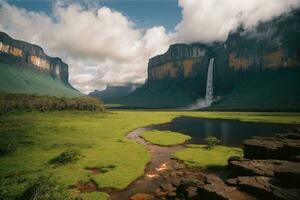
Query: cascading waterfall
column 209, row 98
column 210, row 83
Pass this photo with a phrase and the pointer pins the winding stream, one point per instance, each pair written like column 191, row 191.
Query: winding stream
column 162, row 168
column 160, row 164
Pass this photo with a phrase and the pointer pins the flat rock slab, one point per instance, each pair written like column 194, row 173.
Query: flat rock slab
column 254, row 167
column 292, row 135
column 288, row 174
column 262, row 188
column 281, row 148
column 216, row 189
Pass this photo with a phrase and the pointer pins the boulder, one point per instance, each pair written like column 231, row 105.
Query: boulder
column 288, row 174
column 168, row 187
column 263, row 188
column 191, row 182
column 253, row 167
column 292, row 135
column 216, row 189
column 192, row 193
column 271, row 148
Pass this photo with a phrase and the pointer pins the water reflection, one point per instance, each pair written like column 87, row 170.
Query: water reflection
column 231, row 132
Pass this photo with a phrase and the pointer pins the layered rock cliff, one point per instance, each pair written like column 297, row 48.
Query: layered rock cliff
column 181, row 72
column 23, row 54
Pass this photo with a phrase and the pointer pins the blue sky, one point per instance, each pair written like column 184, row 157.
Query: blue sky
column 145, row 13
column 110, row 41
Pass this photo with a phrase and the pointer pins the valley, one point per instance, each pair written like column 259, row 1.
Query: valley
column 98, row 137
column 149, row 100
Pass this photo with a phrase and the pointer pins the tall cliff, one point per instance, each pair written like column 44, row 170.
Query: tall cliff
column 178, row 77
column 19, row 53
column 25, row 68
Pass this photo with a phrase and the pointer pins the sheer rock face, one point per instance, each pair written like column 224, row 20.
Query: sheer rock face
column 23, row 54
column 242, row 56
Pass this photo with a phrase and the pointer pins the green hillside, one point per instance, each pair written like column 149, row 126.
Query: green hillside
column 269, row 90
column 19, row 80
column 159, row 94
column 274, row 89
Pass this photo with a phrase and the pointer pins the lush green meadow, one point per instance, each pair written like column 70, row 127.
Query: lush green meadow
column 165, row 138
column 201, row 156
column 35, row 138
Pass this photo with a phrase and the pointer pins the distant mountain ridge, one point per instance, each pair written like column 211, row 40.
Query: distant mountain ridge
column 178, row 77
column 112, row 93
column 25, row 68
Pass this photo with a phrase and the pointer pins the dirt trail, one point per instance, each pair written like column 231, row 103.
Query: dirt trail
column 160, row 165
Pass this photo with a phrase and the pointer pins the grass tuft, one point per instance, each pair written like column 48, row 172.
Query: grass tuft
column 7, row 148
column 65, row 157
column 44, row 188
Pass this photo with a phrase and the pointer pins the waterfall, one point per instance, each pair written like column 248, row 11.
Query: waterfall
column 209, row 98
column 210, row 83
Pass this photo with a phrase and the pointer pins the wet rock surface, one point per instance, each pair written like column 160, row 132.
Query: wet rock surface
column 142, row 196
column 249, row 167
column 288, row 174
column 268, row 172
column 280, row 147
column 262, row 187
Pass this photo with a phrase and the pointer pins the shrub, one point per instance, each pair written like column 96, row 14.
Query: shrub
column 44, row 188
column 211, row 142
column 26, row 102
column 7, row 148
column 65, row 157
column 11, row 186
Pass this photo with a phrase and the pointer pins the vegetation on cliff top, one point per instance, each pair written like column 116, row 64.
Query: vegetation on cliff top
column 164, row 138
column 27, row 102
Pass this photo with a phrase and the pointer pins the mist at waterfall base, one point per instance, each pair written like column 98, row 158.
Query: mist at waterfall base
column 209, row 96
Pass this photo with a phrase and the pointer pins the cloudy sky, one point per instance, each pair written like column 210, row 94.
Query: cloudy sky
column 110, row 41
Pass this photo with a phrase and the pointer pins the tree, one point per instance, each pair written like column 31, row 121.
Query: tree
column 211, row 142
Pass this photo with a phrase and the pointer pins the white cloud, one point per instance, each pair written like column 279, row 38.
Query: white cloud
column 213, row 20
column 101, row 46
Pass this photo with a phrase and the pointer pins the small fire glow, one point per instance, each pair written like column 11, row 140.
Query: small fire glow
column 162, row 167
column 151, row 175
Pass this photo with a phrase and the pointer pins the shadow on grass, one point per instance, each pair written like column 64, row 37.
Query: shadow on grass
column 102, row 169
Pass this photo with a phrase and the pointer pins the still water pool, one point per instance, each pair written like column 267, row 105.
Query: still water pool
column 230, row 132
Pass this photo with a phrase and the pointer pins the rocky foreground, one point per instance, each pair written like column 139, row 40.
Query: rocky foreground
column 270, row 170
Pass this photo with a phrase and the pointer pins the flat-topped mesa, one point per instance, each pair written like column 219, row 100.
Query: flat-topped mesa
column 23, row 54
column 178, row 61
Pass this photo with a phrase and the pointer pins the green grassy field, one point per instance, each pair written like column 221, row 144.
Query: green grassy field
column 164, row 138
column 19, row 80
column 98, row 137
column 200, row 156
